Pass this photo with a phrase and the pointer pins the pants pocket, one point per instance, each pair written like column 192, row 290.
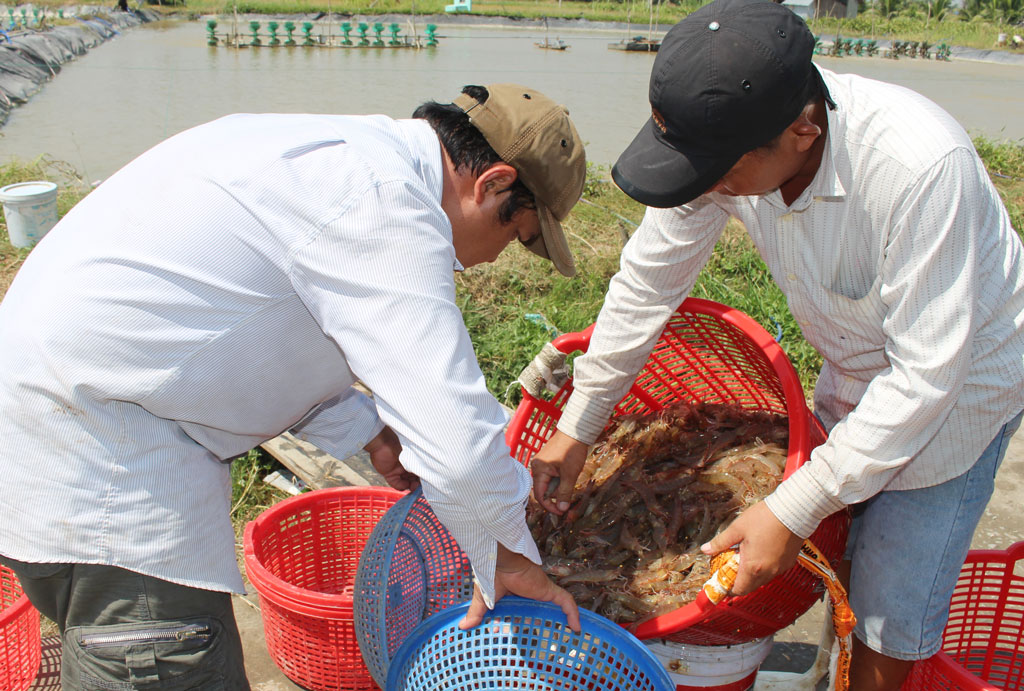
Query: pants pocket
column 173, row 655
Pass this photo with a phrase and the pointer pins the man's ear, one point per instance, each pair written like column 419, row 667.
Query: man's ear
column 498, row 178
column 805, row 131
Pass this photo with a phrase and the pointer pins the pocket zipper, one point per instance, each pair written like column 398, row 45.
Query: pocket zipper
column 180, row 633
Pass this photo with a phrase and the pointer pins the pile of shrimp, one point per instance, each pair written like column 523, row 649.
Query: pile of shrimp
column 653, row 489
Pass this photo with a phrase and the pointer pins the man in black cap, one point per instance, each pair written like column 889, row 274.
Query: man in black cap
column 878, row 221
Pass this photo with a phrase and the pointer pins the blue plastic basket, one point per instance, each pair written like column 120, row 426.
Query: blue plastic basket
column 411, row 567
column 524, row 644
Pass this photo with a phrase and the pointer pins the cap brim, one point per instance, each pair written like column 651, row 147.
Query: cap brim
column 655, row 174
column 551, row 243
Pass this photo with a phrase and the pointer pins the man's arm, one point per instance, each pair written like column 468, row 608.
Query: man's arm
column 930, row 283
column 659, row 267
column 342, row 425
column 379, row 281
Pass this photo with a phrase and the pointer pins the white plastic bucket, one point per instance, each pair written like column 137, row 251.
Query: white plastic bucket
column 30, row 209
column 707, row 667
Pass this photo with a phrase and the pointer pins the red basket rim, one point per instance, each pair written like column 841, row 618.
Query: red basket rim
column 800, row 418
column 972, row 645
column 801, row 421
column 1011, row 554
column 280, row 591
column 957, row 674
column 18, row 607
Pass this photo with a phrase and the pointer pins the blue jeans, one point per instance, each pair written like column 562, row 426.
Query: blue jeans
column 906, row 549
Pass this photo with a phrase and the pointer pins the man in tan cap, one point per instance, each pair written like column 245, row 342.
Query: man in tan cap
column 233, row 283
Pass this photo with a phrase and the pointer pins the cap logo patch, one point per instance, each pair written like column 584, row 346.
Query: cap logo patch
column 659, row 121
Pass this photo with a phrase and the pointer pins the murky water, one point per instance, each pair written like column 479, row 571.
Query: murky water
column 112, row 104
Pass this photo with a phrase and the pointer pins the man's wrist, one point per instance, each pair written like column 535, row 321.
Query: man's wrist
column 511, row 562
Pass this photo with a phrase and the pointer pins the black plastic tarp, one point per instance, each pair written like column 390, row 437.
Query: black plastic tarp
column 29, row 58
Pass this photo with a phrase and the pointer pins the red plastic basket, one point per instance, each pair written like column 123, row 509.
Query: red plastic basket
column 19, row 635
column 711, row 353
column 983, row 644
column 301, row 556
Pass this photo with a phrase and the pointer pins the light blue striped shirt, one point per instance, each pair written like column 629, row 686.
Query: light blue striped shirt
column 229, row 284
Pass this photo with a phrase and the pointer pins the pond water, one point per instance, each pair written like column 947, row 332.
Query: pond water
column 126, row 95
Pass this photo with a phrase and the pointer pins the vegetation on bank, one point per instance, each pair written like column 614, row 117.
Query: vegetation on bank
column 499, row 300
column 976, row 25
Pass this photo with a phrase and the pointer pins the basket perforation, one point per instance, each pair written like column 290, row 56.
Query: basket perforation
column 301, row 556
column 524, row 644
column 684, row 367
column 410, row 568
column 20, row 644
column 700, row 378
column 983, row 642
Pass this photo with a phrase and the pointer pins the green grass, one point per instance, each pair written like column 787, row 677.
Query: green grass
column 1005, row 163
column 599, row 11
column 250, row 495
column 952, row 31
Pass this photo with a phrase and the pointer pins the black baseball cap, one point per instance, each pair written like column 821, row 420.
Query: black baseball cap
column 728, row 78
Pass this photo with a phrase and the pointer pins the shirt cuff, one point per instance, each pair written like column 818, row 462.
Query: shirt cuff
column 801, row 503
column 584, row 418
column 477, row 530
column 484, row 570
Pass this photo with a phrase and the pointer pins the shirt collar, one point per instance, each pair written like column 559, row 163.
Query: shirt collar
column 826, row 183
column 425, row 148
column 428, row 162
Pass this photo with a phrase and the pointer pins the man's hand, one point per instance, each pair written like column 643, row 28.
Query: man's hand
column 518, row 575
column 384, row 450
column 555, row 469
column 766, row 547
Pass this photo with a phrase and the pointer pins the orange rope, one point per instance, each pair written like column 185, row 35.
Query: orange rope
column 725, row 565
column 843, row 619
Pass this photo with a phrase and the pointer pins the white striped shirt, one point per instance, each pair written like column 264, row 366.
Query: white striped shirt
column 230, row 284
column 901, row 267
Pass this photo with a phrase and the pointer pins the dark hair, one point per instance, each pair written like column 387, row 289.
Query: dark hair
column 468, row 148
column 812, row 92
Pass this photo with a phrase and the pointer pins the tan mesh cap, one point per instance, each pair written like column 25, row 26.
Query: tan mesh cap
column 534, row 135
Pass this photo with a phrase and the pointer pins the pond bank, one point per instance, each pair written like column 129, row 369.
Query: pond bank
column 36, row 56
column 557, row 24
column 127, row 95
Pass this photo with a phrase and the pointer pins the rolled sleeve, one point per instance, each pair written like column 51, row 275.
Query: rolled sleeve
column 341, row 426
column 801, row 503
column 659, row 267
